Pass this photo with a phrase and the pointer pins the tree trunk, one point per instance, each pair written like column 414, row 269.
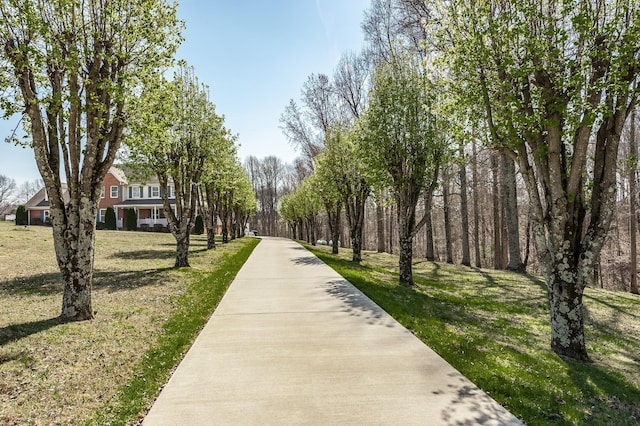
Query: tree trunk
column 633, row 218
column 211, row 238
column 447, row 218
column 356, row 243
column 380, row 222
column 464, row 211
column 406, row 250
column 497, row 228
column 74, row 243
column 225, row 230
column 335, row 237
column 527, row 249
column 314, row 238
column 567, row 315
column 390, row 213
column 429, row 249
column 354, row 206
column 333, row 216
column 476, row 210
column 511, row 212
column 182, row 249
column 355, row 235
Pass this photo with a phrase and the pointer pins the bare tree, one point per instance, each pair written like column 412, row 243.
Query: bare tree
column 350, row 82
column 296, row 127
column 29, row 189
column 272, row 170
column 7, row 191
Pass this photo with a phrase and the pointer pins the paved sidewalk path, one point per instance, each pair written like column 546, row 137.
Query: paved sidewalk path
column 293, row 343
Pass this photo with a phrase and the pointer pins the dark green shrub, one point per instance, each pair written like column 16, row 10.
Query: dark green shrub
column 22, row 215
column 131, row 220
column 110, row 219
column 199, row 227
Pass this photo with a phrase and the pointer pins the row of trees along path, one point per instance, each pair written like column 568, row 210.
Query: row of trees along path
column 548, row 87
column 84, row 75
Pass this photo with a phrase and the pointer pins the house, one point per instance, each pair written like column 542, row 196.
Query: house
column 146, row 199
column 38, row 211
column 118, row 193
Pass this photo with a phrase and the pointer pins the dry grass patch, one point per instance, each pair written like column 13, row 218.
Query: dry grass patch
column 61, row 373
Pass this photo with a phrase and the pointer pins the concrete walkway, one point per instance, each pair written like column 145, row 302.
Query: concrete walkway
column 293, row 343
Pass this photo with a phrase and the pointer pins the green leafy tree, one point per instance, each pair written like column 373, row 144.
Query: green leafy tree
column 557, row 81
column 232, row 193
column 199, row 226
column 131, row 220
column 214, row 180
column 401, row 144
column 309, row 205
column 110, row 219
column 300, row 208
column 339, row 170
column 244, row 205
column 326, row 187
column 174, row 132
column 69, row 67
column 22, row 215
column 288, row 213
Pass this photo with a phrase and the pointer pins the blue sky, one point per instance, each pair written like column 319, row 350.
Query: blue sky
column 254, row 55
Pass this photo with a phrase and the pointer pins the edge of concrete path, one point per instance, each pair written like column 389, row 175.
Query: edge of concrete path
column 448, row 392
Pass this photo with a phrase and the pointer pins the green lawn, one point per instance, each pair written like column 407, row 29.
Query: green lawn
column 108, row 370
column 493, row 326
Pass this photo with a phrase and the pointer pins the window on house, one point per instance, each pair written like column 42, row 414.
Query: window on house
column 102, row 214
column 158, row 213
column 114, row 192
column 136, row 192
column 155, row 192
column 102, row 192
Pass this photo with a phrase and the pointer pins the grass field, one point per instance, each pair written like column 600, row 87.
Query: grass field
column 493, row 326
column 107, row 370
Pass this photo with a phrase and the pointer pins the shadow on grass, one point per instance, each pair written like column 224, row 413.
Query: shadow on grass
column 39, row 284
column 492, row 282
column 628, row 311
column 489, row 338
column 19, row 331
column 154, row 254
column 144, row 254
column 48, row 284
column 126, row 280
column 600, row 386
